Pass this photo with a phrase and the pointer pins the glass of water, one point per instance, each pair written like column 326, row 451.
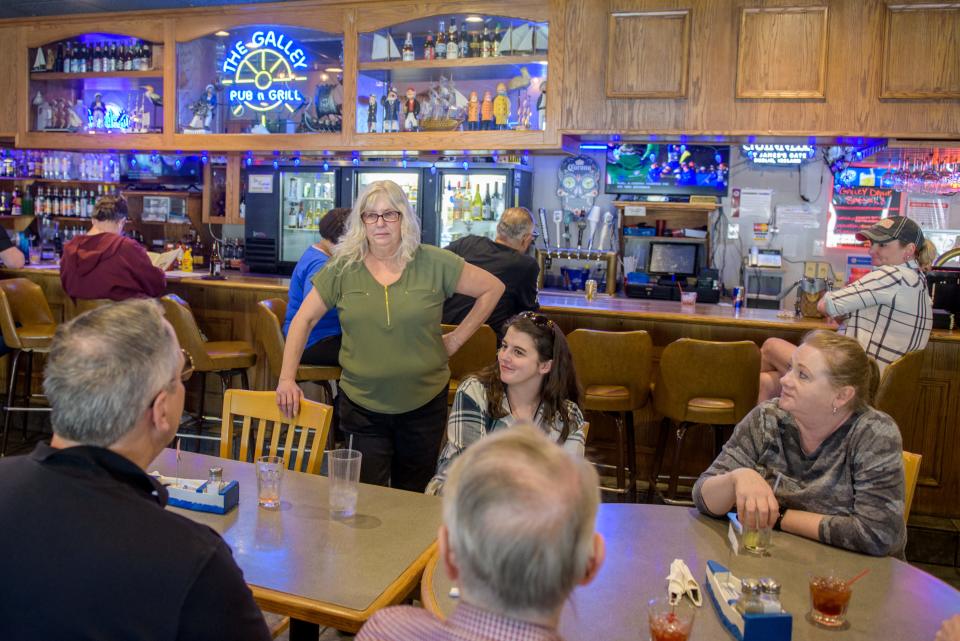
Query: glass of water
column 344, row 478
column 269, row 475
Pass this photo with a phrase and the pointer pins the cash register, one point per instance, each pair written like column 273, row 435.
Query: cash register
column 672, row 264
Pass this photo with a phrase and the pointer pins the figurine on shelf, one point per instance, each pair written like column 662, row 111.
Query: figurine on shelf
column 44, row 112
column 523, row 112
column 60, row 109
column 40, row 62
column 391, row 111
column 473, row 112
column 411, row 110
column 98, row 113
column 542, row 106
column 501, row 106
column 75, row 120
column 486, row 111
column 372, row 114
column 210, row 98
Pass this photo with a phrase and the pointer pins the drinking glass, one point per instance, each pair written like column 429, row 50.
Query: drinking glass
column 829, row 597
column 669, row 622
column 269, row 475
column 344, row 479
column 756, row 539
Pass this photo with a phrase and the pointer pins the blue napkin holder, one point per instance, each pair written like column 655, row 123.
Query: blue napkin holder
column 777, row 626
column 199, row 500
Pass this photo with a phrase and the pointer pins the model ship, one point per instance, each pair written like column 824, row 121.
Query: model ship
column 444, row 109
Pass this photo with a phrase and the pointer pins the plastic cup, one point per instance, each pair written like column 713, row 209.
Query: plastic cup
column 269, row 475
column 344, row 479
column 829, row 597
column 670, row 622
column 688, row 298
column 590, row 289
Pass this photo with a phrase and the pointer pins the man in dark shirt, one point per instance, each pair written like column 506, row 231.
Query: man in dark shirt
column 11, row 255
column 89, row 551
column 506, row 259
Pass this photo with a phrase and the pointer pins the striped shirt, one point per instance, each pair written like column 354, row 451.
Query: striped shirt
column 890, row 311
column 467, row 623
column 470, row 420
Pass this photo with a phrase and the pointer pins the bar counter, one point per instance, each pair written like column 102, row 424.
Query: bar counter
column 225, row 310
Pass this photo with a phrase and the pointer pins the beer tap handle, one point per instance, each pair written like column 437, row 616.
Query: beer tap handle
column 557, row 222
column 542, row 217
column 606, row 230
column 568, row 217
column 593, row 218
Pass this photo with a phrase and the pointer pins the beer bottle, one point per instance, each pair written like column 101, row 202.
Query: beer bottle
column 453, row 41
column 407, row 54
column 441, row 46
column 216, row 263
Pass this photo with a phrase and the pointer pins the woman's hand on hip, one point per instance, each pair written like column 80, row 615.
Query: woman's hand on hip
column 756, row 504
column 289, row 396
column 451, row 343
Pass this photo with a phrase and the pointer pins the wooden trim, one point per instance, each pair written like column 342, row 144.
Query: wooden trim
column 427, row 594
column 684, row 61
column 169, row 113
column 259, row 142
column 887, row 54
column 233, row 189
column 206, row 193
column 819, row 93
column 152, row 73
column 79, row 141
column 329, row 21
column 457, row 62
column 57, row 29
column 456, row 140
column 351, row 54
column 400, row 12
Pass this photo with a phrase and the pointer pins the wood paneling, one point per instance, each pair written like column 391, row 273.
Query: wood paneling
column 631, row 39
column 921, row 50
column 11, row 97
column 782, row 53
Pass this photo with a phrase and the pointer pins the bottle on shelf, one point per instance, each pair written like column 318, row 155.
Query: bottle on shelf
column 464, row 41
column 216, row 263
column 475, row 45
column 487, row 205
column 457, row 212
column 497, row 202
column 486, row 43
column 407, row 53
column 15, row 203
column 453, row 41
column 495, row 42
column 112, row 57
column 440, row 50
column 97, row 59
column 60, row 58
column 476, row 207
column 429, row 49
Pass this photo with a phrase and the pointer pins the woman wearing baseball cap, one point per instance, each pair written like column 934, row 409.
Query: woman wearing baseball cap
column 888, row 311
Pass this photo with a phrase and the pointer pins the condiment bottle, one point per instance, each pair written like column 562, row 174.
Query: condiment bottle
column 214, row 480
column 749, row 600
column 770, row 595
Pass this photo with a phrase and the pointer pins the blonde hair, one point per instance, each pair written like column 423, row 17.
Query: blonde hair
column 847, row 364
column 353, row 247
column 926, row 254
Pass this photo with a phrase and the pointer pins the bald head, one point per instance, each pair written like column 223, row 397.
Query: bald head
column 515, row 228
column 520, row 512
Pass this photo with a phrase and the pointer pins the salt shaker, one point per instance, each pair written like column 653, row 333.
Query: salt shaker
column 770, row 595
column 214, row 480
column 749, row 600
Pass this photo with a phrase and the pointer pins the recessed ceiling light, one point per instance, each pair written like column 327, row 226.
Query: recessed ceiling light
column 473, row 19
column 333, row 70
column 222, row 33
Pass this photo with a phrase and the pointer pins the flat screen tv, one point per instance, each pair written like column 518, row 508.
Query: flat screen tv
column 178, row 168
column 669, row 169
column 673, row 258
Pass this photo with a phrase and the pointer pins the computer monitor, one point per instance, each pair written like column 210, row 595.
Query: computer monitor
column 673, row 258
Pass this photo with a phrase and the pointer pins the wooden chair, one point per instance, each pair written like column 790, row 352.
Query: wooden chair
column 586, row 431
column 897, row 392
column 28, row 326
column 224, row 358
column 911, row 472
column 267, row 432
column 477, row 353
column 269, row 331
column 702, row 383
column 619, row 390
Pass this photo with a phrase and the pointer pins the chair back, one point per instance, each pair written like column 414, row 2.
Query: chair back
column 911, row 472
column 691, row 368
column 21, row 303
column 269, row 329
column 82, row 305
column 897, row 392
column 179, row 315
column 623, row 359
column 478, row 352
column 267, row 432
column 585, row 428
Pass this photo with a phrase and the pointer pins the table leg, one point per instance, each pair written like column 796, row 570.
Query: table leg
column 303, row 630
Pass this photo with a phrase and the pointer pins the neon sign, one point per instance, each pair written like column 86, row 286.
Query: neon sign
column 779, row 154
column 268, row 63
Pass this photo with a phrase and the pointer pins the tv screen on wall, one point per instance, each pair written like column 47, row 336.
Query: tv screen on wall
column 670, row 169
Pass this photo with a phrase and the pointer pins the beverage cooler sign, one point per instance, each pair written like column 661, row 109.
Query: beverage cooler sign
column 861, row 197
column 260, row 72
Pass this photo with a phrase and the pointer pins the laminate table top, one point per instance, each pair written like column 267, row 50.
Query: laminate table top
column 893, row 602
column 302, row 562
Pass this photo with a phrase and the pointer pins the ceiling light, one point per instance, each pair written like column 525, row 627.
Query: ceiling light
column 333, row 70
column 222, row 33
column 473, row 19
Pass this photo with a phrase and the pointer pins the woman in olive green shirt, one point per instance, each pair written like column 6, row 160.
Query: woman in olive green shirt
column 389, row 290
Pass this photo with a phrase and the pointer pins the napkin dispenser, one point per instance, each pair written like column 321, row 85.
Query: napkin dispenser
column 199, row 495
column 724, row 590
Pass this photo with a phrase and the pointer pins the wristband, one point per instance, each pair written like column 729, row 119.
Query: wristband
column 776, row 526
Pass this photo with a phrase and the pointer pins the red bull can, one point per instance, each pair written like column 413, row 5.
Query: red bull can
column 737, row 298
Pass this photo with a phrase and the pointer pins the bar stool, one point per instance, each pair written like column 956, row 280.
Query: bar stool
column 702, row 383
column 614, row 369
column 897, row 392
column 28, row 326
column 270, row 315
column 477, row 353
column 224, row 358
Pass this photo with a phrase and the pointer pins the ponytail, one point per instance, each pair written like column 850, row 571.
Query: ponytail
column 926, row 254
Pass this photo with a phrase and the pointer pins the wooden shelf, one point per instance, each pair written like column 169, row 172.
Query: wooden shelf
column 57, row 180
column 72, row 219
column 16, row 223
column 384, row 65
column 126, row 193
column 59, row 75
column 672, row 239
column 705, row 207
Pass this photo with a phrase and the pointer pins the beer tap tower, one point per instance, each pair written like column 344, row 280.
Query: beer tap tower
column 583, row 236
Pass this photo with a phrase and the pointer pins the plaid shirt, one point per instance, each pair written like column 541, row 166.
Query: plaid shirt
column 467, row 623
column 470, row 421
column 891, row 311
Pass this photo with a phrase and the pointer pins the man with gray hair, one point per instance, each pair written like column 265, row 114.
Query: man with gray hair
column 518, row 536
column 91, row 552
column 507, row 259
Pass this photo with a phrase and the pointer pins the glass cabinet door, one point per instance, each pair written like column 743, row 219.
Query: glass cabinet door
column 305, row 198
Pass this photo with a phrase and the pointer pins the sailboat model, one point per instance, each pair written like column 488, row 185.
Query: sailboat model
column 384, row 48
column 445, row 107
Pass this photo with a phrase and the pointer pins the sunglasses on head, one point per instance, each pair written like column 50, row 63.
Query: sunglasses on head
column 538, row 319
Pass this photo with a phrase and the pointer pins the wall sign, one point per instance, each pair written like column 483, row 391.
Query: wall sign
column 779, row 155
column 262, row 73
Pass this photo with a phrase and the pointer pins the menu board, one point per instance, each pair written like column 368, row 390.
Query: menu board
column 861, row 197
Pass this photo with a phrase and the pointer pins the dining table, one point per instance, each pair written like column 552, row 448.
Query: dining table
column 304, row 562
column 894, row 601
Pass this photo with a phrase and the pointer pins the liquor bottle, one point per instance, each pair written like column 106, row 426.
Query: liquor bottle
column 60, row 58
column 147, row 48
column 476, row 208
column 105, row 57
column 441, row 46
column 407, row 53
column 125, row 58
column 457, row 204
column 453, row 41
column 216, row 263
column 487, row 205
column 69, row 63
column 85, row 58
column 475, row 45
column 464, row 41
column 38, row 203
column 497, row 202
column 429, row 50
column 97, row 59
column 16, row 203
column 495, row 42
column 486, row 43
column 112, row 57
column 135, row 56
